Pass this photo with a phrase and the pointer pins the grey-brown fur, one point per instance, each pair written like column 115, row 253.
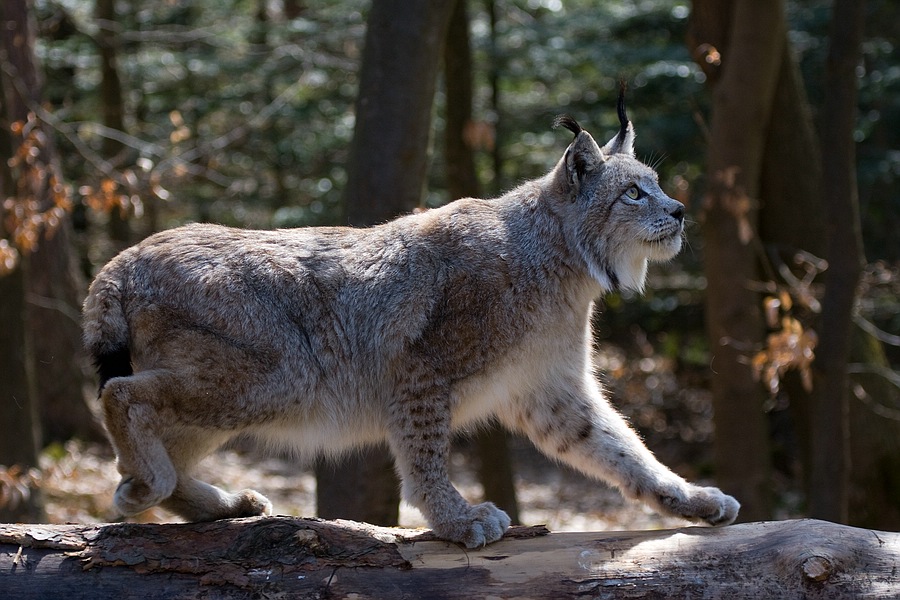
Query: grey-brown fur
column 322, row 339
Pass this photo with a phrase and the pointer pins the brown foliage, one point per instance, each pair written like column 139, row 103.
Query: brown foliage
column 41, row 200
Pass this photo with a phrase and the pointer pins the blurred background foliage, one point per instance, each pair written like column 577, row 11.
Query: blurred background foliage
column 245, row 119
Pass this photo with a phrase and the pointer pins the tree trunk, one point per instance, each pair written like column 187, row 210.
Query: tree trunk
column 495, row 470
column 791, row 221
column 873, row 496
column 830, row 420
column 389, row 153
column 54, row 288
column 386, row 175
column 362, row 485
column 20, row 435
column 112, row 107
column 499, row 183
column 462, row 180
column 742, row 100
column 274, row 557
column 19, row 422
column 790, row 217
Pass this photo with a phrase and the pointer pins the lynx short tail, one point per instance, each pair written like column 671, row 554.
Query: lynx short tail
column 105, row 327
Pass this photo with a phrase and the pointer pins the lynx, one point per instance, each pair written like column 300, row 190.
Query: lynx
column 323, row 339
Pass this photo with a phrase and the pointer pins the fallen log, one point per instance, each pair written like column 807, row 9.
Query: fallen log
column 287, row 557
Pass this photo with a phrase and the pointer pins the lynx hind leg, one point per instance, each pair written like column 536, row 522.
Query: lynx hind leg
column 156, row 457
column 198, row 501
column 148, row 475
column 195, row 500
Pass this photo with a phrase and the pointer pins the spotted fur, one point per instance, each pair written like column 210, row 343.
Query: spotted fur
column 323, row 339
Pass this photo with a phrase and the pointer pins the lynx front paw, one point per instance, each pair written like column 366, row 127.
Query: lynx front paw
column 724, row 507
column 706, row 504
column 480, row 525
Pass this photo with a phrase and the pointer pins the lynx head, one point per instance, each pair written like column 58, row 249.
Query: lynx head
column 615, row 215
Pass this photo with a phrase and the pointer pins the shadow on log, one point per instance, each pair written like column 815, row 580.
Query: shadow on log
column 286, row 557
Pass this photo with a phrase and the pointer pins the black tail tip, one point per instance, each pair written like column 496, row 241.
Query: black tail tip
column 113, row 364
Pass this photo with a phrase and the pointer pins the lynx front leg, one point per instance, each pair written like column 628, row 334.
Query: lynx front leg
column 420, row 441
column 578, row 426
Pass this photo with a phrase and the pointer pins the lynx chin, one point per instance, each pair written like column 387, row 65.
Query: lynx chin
column 323, row 339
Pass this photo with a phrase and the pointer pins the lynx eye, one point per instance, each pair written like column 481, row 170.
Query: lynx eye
column 633, row 193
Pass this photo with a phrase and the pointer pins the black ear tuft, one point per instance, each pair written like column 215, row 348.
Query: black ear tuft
column 620, row 108
column 568, row 122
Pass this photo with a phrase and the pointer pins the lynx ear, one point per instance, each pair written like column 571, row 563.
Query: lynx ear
column 583, row 154
column 623, row 143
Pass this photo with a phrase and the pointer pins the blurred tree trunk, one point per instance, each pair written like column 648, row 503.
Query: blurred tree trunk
column 54, row 285
column 389, row 155
column 873, row 494
column 20, row 435
column 19, row 423
column 750, row 54
column 112, row 107
column 499, row 183
column 294, row 8
column 386, row 175
column 270, row 132
column 462, row 180
column 790, row 222
column 830, row 420
column 491, row 444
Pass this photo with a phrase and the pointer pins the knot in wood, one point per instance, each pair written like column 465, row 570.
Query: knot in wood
column 817, row 568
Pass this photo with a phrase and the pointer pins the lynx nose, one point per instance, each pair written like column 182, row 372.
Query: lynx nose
column 678, row 212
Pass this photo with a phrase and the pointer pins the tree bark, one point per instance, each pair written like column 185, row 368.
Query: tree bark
column 828, row 494
column 790, row 216
column 267, row 557
column 742, row 100
column 386, row 176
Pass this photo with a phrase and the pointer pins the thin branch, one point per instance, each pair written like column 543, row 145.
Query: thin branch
column 889, row 374
column 873, row 330
column 126, row 139
column 876, row 407
column 54, row 304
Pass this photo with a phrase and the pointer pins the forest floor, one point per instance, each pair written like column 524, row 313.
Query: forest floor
column 667, row 405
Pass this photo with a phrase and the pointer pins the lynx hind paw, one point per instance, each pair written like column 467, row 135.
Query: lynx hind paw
column 481, row 525
column 250, row 503
column 710, row 505
column 134, row 495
